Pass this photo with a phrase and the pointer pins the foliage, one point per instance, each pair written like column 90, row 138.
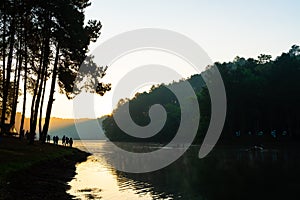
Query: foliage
column 42, row 40
column 262, row 95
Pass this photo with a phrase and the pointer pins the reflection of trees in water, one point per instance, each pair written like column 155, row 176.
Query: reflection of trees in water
column 161, row 184
column 224, row 174
column 91, row 193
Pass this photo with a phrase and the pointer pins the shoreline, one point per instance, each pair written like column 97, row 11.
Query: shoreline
column 23, row 176
column 45, row 179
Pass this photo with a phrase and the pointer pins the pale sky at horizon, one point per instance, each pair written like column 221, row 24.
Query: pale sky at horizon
column 224, row 29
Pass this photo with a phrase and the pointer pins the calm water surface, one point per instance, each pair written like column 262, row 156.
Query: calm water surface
column 227, row 173
column 96, row 179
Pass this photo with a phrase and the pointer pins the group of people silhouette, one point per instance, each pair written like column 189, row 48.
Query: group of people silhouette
column 55, row 140
column 65, row 140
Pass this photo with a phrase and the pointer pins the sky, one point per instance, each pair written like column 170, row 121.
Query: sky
column 224, row 29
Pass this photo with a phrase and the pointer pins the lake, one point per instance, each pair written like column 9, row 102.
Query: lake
column 226, row 173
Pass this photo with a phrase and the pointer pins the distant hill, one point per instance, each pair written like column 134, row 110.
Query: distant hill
column 83, row 129
column 60, row 127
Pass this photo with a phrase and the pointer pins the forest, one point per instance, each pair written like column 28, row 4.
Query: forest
column 263, row 96
column 43, row 41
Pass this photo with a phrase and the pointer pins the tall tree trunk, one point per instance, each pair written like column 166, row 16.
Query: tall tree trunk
column 20, row 56
column 45, row 63
column 39, row 94
column 41, row 107
column 35, row 91
column 16, row 95
column 8, row 71
column 4, row 44
column 24, row 24
column 51, row 99
column 14, row 85
column 25, row 91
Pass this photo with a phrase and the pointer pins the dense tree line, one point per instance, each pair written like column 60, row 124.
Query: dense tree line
column 40, row 41
column 263, row 97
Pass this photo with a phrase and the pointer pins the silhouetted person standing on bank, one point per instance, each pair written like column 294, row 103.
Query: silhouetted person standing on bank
column 48, row 138
column 63, row 140
column 71, row 142
column 67, row 141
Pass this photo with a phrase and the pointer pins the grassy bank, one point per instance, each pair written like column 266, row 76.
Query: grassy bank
column 38, row 171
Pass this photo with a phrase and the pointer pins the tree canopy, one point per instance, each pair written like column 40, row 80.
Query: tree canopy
column 262, row 97
column 40, row 41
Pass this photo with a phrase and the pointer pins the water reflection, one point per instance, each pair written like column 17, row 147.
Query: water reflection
column 227, row 173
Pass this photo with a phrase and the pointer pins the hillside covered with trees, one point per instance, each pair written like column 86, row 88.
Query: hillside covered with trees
column 263, row 98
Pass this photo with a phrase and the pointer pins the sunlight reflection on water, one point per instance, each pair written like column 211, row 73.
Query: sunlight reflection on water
column 96, row 179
